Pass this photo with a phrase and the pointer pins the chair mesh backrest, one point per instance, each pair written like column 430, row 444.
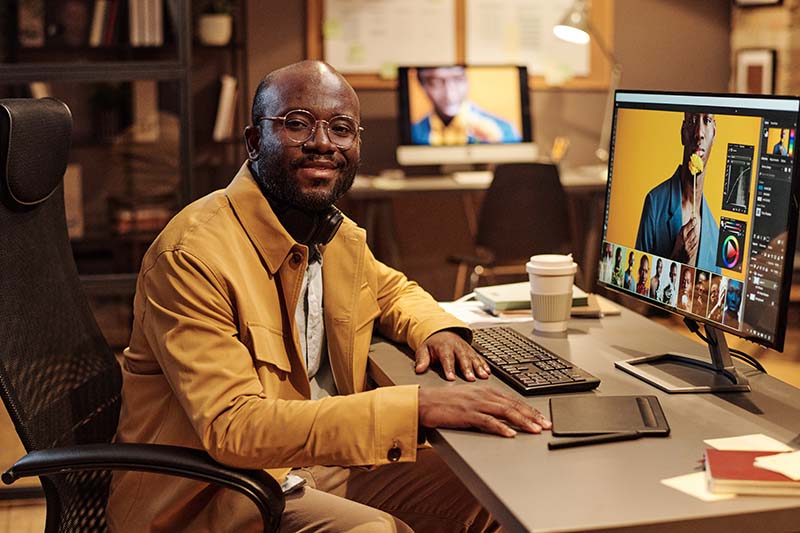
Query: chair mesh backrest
column 59, row 379
column 524, row 213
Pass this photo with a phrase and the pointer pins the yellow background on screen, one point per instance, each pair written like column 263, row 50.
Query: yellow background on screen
column 495, row 90
column 648, row 150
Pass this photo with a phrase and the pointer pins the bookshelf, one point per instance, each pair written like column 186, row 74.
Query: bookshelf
column 143, row 120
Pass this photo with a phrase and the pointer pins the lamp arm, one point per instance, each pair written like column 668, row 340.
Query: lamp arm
column 616, row 74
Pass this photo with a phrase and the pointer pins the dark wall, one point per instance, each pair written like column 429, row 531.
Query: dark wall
column 661, row 44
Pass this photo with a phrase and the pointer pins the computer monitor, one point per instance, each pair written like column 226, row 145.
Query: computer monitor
column 701, row 220
column 464, row 115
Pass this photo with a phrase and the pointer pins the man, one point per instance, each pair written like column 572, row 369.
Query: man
column 616, row 274
column 627, row 278
column 644, row 274
column 780, row 146
column 455, row 120
column 733, row 301
column 716, row 298
column 669, row 296
column 655, row 282
column 700, row 300
column 685, row 289
column 253, row 317
column 676, row 221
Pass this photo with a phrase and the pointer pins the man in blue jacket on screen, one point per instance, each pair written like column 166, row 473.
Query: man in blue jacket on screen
column 455, row 120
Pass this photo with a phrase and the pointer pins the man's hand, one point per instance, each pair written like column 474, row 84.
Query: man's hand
column 686, row 243
column 467, row 406
column 448, row 348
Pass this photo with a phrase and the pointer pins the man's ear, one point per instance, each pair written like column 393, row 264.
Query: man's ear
column 252, row 140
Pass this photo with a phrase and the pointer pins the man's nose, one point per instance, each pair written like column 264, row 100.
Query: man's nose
column 320, row 140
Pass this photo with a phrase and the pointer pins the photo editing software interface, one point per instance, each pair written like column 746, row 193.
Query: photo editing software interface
column 701, row 207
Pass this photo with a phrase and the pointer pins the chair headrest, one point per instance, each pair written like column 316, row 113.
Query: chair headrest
column 34, row 145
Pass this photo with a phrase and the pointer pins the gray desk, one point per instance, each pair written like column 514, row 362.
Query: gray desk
column 615, row 486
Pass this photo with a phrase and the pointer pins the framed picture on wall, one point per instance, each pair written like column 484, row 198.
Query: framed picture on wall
column 755, row 71
column 749, row 3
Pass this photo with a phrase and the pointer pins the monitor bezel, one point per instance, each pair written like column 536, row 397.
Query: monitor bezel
column 404, row 105
column 792, row 223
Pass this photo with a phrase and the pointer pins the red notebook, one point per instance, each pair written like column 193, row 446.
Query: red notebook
column 733, row 471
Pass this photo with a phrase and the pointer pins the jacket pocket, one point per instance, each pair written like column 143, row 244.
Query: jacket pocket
column 267, row 346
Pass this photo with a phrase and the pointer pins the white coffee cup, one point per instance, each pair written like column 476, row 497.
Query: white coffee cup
column 551, row 277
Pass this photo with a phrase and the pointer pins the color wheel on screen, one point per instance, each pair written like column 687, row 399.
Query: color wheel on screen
column 730, row 252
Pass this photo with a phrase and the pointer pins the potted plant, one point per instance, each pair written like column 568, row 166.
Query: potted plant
column 215, row 24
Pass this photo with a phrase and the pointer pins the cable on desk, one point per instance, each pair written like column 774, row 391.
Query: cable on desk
column 694, row 327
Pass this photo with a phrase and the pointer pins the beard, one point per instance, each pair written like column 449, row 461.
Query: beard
column 277, row 179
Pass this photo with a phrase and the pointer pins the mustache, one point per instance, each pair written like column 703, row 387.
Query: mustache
column 315, row 158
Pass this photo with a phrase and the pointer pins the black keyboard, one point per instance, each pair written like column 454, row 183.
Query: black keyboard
column 526, row 365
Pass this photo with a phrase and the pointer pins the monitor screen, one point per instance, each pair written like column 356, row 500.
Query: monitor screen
column 701, row 207
column 464, row 114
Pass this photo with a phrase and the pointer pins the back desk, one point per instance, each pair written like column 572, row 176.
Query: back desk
column 614, row 486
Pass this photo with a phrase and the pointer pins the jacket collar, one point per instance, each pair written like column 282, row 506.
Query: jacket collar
column 262, row 226
column 272, row 241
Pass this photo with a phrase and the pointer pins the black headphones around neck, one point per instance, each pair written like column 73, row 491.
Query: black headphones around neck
column 308, row 227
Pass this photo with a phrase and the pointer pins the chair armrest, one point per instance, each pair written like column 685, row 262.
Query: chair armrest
column 192, row 463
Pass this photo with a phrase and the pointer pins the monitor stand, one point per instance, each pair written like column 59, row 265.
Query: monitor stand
column 680, row 373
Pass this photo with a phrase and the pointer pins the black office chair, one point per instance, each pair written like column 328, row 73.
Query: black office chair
column 524, row 213
column 59, row 380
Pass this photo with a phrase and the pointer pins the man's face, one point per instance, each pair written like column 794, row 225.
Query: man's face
column 733, row 297
column 686, row 281
column 315, row 174
column 659, row 266
column 644, row 267
column 447, row 88
column 713, row 292
column 697, row 135
column 673, row 272
column 630, row 260
column 783, row 135
column 618, row 257
column 701, row 286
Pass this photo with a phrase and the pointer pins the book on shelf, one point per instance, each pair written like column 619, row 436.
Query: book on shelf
column 516, row 296
column 226, row 109
column 30, row 23
column 734, row 471
column 145, row 111
column 99, row 15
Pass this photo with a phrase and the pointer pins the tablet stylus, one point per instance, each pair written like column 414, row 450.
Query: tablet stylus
column 593, row 439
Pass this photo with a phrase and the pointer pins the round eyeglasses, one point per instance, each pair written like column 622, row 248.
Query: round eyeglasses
column 300, row 125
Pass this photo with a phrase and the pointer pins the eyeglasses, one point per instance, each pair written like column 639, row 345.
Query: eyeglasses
column 300, row 125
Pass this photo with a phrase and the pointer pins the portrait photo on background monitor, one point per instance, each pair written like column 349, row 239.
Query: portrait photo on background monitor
column 457, row 105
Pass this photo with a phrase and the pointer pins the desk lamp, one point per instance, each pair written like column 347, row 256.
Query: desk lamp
column 576, row 27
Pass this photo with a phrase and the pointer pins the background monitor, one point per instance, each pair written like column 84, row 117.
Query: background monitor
column 457, row 114
column 701, row 208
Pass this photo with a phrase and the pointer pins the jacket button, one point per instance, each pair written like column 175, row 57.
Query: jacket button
column 296, row 259
column 394, row 452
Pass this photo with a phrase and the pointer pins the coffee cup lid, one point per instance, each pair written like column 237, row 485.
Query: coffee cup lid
column 551, row 265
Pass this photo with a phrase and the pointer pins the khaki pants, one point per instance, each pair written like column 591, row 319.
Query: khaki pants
column 424, row 496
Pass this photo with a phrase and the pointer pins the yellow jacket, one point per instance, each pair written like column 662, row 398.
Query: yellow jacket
column 214, row 360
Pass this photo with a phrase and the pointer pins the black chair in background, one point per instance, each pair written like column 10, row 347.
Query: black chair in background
column 59, row 380
column 524, row 212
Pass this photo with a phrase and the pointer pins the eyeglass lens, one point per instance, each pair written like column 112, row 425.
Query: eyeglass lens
column 300, row 125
